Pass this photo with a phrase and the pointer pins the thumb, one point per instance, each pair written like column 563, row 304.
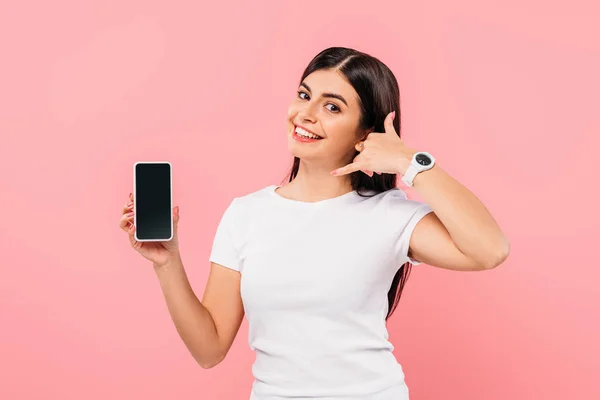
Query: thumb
column 175, row 215
column 388, row 124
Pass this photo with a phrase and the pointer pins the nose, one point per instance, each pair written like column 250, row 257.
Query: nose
column 307, row 113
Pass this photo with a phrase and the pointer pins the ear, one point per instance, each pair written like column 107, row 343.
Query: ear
column 366, row 133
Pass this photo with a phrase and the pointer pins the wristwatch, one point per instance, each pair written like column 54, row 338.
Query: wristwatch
column 421, row 161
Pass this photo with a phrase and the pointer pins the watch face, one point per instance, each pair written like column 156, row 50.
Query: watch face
column 423, row 159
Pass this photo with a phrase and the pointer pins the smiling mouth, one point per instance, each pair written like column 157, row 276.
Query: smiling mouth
column 303, row 133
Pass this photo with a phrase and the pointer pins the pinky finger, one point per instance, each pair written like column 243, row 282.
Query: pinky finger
column 134, row 243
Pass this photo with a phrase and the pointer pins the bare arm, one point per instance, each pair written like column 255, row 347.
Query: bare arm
column 462, row 234
column 207, row 328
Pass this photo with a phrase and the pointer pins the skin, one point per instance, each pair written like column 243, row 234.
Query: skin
column 459, row 235
column 337, row 122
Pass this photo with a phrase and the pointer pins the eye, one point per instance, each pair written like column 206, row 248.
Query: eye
column 300, row 93
column 335, row 108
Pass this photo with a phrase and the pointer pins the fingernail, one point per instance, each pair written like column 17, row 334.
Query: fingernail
column 393, row 115
column 333, row 172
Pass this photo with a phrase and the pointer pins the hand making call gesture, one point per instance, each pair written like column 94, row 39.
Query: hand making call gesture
column 380, row 152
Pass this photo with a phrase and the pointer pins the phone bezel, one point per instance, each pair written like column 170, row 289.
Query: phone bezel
column 170, row 199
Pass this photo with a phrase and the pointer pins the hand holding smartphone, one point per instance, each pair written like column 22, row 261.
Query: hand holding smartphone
column 148, row 217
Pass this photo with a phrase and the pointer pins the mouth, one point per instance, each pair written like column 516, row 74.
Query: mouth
column 303, row 133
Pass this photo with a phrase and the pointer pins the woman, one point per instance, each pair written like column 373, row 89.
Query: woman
column 317, row 265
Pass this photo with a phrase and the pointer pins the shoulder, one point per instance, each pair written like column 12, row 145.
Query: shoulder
column 254, row 197
column 390, row 196
column 246, row 202
column 396, row 201
column 395, row 194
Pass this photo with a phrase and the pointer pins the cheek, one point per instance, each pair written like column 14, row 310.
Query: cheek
column 291, row 115
column 339, row 128
column 292, row 111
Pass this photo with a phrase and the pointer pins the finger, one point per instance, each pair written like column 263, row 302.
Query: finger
column 388, row 124
column 175, row 215
column 366, row 171
column 134, row 243
column 348, row 169
column 125, row 221
column 127, row 207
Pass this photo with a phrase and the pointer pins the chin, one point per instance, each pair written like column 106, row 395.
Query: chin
column 297, row 150
column 294, row 149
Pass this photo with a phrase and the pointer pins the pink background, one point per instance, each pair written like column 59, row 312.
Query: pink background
column 505, row 94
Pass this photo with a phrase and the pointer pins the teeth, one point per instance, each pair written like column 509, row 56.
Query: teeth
column 302, row 132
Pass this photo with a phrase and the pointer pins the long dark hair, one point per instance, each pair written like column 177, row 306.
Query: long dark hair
column 379, row 95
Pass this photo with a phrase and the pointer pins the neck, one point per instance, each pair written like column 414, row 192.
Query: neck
column 315, row 183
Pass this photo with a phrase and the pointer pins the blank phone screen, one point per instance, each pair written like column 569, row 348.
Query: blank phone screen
column 153, row 201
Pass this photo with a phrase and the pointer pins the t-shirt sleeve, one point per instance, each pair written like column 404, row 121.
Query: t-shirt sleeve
column 416, row 212
column 224, row 251
column 405, row 214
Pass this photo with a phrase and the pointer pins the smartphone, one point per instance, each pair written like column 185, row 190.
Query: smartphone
column 152, row 197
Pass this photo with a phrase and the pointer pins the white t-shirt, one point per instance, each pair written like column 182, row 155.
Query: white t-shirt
column 314, row 283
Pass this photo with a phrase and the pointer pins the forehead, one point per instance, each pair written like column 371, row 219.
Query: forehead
column 331, row 81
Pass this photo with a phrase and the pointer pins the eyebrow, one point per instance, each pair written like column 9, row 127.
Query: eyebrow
column 332, row 95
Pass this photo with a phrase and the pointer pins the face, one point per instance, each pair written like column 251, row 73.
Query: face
column 327, row 106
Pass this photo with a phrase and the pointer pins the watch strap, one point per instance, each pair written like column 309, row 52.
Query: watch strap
column 410, row 174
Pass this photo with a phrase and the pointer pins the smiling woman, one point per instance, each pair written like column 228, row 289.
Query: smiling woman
column 317, row 314
column 318, row 264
